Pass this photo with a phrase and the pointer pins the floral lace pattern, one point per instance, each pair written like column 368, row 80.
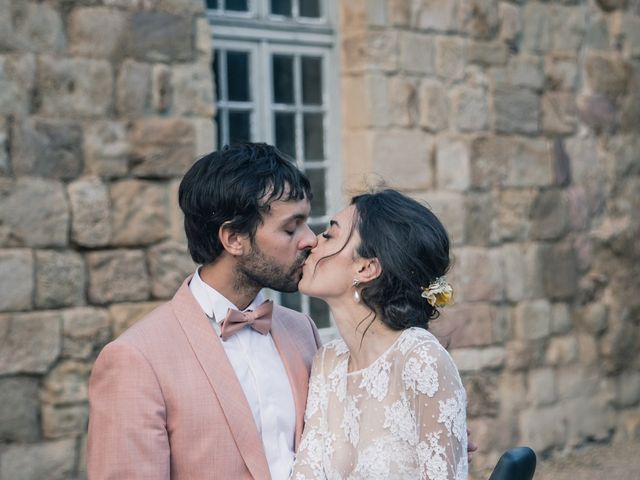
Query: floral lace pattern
column 404, row 416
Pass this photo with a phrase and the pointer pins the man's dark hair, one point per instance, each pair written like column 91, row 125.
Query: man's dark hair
column 237, row 185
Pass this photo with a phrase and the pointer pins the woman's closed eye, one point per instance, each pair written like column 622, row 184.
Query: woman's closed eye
column 325, row 235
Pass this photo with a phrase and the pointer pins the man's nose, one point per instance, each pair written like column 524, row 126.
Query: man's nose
column 309, row 239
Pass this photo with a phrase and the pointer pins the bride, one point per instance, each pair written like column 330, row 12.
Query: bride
column 385, row 400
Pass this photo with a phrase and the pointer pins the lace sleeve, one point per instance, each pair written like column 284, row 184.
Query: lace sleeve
column 436, row 395
column 308, row 463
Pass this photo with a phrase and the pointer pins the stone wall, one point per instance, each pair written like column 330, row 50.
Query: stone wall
column 518, row 122
column 99, row 117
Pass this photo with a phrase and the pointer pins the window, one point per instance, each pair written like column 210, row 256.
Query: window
column 276, row 80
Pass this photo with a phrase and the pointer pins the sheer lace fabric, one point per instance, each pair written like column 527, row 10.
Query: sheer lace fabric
column 403, row 417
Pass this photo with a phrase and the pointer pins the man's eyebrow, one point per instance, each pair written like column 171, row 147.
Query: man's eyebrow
column 296, row 216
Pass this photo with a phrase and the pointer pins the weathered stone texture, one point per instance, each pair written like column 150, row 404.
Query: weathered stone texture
column 476, row 359
column 434, row 106
column 37, row 27
column 140, row 214
column 161, row 147
column 17, row 77
column 96, row 31
column 16, row 280
column 126, row 314
column 532, row 320
column 90, row 212
column 20, row 408
column 60, row 279
column 377, row 51
column 30, row 342
column 133, row 88
column 465, row 325
column 35, row 213
column 62, row 421
column 85, row 331
column 148, row 32
column 477, row 274
column 417, row 53
column 450, row 58
column 192, row 92
column 403, row 96
column 516, row 110
column 106, row 149
column 451, row 210
column 470, row 109
column 51, row 460
column 169, row 264
column 117, row 276
column 452, row 164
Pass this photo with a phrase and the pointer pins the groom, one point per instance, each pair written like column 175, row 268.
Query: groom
column 213, row 383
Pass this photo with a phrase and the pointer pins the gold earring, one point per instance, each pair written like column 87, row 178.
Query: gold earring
column 356, row 294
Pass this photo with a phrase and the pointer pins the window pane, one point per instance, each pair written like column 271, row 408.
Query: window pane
column 212, row 4
column 310, row 8
column 281, row 7
column 312, row 80
column 317, row 228
column 238, row 76
column 283, row 79
column 236, row 5
column 291, row 300
column 286, row 133
column 219, row 121
column 319, row 312
column 313, row 136
column 319, row 202
column 216, row 77
column 239, row 127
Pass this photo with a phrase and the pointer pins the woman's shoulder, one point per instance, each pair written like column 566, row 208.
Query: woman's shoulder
column 419, row 346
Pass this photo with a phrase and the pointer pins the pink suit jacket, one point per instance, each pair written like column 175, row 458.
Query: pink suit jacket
column 165, row 402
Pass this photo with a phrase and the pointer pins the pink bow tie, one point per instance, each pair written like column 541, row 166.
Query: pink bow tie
column 258, row 319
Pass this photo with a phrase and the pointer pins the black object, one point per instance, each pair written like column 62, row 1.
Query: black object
column 518, row 463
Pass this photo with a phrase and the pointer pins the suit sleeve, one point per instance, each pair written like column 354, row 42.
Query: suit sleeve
column 127, row 418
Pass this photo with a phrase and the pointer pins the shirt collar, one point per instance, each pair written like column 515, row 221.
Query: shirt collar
column 213, row 303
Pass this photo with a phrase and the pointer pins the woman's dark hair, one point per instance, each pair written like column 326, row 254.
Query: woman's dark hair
column 412, row 247
column 236, row 184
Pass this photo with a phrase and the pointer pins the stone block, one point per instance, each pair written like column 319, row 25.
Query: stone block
column 47, row 148
column 523, row 355
column 516, row 110
column 117, row 276
column 513, row 214
column 125, row 315
column 561, row 71
column 543, row 429
column 30, row 342
column 521, row 71
column 414, row 148
column 133, row 88
column 561, row 320
column 562, row 350
column 403, row 101
column 598, row 112
column 568, row 26
column 537, row 28
column 549, row 215
column 96, row 31
column 20, row 409
column 510, row 22
column 162, row 147
column 53, row 460
column 450, row 58
column 597, row 32
column 192, row 92
column 139, row 212
column 627, row 27
column 365, row 101
column 522, row 271
column 35, row 212
column 606, row 74
column 560, row 276
column 106, row 149
column 434, row 106
column 38, row 28
column 205, row 133
column 628, row 426
column 450, row 209
column 148, row 32
column 417, row 53
column 436, row 15
column 85, row 331
column 357, row 165
column 16, row 281
column 4, row 147
column 627, row 392
column 204, row 45
column 161, row 92
column 477, row 359
column 60, row 421
column 542, row 389
column 593, row 318
column 532, row 320
column 66, row 383
column 480, row 214
column 17, row 77
column 477, row 274
column 588, row 350
column 169, row 264
column 465, row 325
column 452, row 164
column 487, row 54
column 559, row 113
column 74, row 87
column 90, row 212
column 482, row 395
column 587, row 418
column 480, row 18
column 512, row 390
column 470, row 109
column 60, row 279
column 370, row 51
column 353, row 15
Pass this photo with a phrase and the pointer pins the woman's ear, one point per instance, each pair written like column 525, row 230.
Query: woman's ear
column 233, row 242
column 369, row 269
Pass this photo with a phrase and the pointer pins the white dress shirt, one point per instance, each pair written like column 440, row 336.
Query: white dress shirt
column 262, row 375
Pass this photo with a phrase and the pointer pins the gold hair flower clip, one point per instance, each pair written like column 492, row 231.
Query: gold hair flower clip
column 439, row 293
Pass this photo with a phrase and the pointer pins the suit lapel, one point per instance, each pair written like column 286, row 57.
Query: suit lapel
column 208, row 349
column 295, row 367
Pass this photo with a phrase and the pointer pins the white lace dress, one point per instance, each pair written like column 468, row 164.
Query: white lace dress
column 403, row 417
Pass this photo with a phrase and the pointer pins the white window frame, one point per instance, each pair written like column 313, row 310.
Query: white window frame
column 262, row 35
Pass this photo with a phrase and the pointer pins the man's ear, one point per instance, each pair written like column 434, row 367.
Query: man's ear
column 234, row 243
column 368, row 269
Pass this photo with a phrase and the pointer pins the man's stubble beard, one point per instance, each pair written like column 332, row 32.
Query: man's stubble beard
column 257, row 271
